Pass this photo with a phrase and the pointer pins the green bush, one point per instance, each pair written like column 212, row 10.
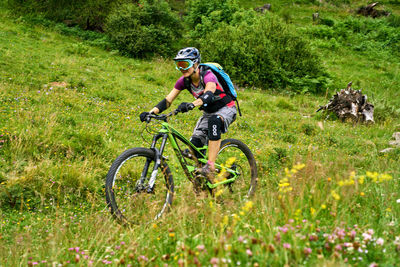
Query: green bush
column 205, row 16
column 144, row 29
column 88, row 14
column 361, row 34
column 264, row 52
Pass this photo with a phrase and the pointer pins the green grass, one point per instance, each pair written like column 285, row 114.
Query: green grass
column 68, row 109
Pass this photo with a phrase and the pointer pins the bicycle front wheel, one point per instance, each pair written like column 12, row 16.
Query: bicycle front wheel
column 130, row 196
column 236, row 156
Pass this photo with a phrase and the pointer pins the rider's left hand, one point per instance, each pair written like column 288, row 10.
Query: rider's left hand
column 185, row 107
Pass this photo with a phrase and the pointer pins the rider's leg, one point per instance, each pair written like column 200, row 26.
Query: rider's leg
column 213, row 148
column 215, row 127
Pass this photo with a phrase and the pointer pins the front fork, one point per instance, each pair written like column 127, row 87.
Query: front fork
column 141, row 183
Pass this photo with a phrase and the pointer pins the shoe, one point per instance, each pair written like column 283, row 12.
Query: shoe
column 207, row 172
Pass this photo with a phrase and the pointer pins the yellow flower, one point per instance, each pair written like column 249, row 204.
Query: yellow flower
column 247, row 206
column 362, row 194
column 312, row 210
column 219, row 192
column 299, row 166
column 323, row 206
column 171, row 234
column 335, row 195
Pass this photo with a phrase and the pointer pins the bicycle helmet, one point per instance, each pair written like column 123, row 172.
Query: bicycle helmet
column 191, row 53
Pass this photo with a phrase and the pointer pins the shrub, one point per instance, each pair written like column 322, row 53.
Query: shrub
column 88, row 14
column 264, row 52
column 204, row 16
column 144, row 29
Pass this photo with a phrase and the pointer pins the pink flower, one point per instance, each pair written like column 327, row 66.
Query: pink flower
column 249, row 252
column 370, row 231
column 214, row 261
column 241, row 239
column 313, row 237
column 283, row 229
column 277, row 237
column 338, row 247
column 380, row 241
column 291, row 221
column 307, row 251
column 353, row 234
column 367, row 237
column 142, row 258
column 200, row 247
column 286, row 245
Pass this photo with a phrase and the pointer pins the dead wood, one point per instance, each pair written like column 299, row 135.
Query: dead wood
column 264, row 8
column 350, row 104
column 370, row 11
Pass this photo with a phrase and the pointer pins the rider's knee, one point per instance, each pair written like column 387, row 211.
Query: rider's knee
column 215, row 125
column 197, row 141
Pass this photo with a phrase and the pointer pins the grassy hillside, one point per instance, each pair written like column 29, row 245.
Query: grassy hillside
column 69, row 108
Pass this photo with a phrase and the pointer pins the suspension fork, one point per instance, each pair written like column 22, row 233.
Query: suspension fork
column 157, row 162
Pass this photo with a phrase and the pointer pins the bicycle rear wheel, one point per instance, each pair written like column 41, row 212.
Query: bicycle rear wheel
column 129, row 200
column 235, row 155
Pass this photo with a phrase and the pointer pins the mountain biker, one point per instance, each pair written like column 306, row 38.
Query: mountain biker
column 219, row 109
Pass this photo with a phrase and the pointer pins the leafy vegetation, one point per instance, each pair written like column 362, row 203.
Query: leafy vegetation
column 326, row 195
column 145, row 29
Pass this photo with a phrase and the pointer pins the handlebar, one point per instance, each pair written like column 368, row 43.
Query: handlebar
column 162, row 117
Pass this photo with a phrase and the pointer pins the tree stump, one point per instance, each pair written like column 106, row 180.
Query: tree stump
column 349, row 104
column 264, row 8
column 370, row 11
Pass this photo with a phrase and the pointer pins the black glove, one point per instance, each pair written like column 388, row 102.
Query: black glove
column 185, row 107
column 143, row 116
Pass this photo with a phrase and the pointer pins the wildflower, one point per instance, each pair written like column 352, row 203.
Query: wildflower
column 214, row 261
column 171, row 234
column 366, row 237
column 380, row 241
column 286, row 245
column 307, row 251
column 335, row 195
column 271, row 248
column 323, row 206
column 249, row 252
column 313, row 237
column 283, row 229
column 247, row 206
column 200, row 247
column 312, row 210
column 241, row 239
column 277, row 237
column 142, row 258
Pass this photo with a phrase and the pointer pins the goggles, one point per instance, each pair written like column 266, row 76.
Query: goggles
column 183, row 64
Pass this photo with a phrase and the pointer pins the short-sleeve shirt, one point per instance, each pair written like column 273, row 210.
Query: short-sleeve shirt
column 197, row 91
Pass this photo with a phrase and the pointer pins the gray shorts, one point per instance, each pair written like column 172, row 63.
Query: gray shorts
column 201, row 130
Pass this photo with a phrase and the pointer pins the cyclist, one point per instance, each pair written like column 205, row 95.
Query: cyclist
column 219, row 110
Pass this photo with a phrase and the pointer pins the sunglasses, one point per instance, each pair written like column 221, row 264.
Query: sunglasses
column 184, row 64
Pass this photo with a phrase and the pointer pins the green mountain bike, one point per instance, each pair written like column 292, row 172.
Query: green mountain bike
column 140, row 185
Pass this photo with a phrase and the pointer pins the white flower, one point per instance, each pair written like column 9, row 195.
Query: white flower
column 380, row 241
column 398, row 201
column 367, row 237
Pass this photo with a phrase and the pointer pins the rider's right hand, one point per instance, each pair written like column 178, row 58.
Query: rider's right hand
column 143, row 116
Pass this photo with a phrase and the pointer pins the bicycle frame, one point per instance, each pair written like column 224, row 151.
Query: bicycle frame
column 168, row 133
